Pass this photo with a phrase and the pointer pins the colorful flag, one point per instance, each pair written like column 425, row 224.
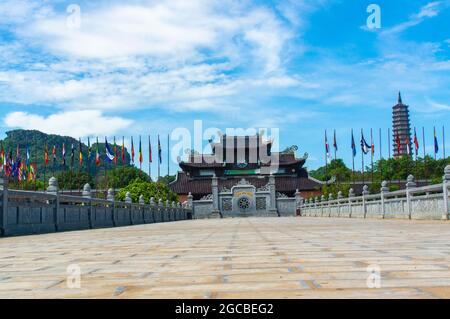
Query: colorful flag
column 436, row 144
column 150, row 155
column 2, row 157
column 115, row 151
column 335, row 141
column 159, row 151
column 364, row 146
column 123, row 150
column 416, row 142
column 32, row 172
column 54, row 154
column 132, row 150
column 140, row 153
column 72, row 155
column 63, row 154
column 109, row 154
column 89, row 149
column 372, row 145
column 46, row 155
column 26, row 166
column 97, row 155
column 80, row 149
column 353, row 145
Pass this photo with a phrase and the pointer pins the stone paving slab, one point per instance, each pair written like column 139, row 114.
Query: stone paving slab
column 234, row 258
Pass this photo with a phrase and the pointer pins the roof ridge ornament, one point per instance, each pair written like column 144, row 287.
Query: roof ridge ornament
column 400, row 98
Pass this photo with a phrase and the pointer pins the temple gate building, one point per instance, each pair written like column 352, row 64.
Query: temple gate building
column 243, row 177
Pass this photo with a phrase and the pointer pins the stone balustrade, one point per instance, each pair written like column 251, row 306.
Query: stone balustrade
column 27, row 212
column 427, row 202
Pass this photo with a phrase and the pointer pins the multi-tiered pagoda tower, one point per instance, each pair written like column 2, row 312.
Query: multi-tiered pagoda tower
column 401, row 127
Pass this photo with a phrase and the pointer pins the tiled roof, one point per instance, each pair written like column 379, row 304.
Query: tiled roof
column 184, row 185
column 207, row 161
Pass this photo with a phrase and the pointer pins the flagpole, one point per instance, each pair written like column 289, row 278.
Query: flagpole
column 353, row 160
column 159, row 160
column 45, row 165
column 168, row 156
column 443, row 142
column 389, row 154
column 381, row 156
column 371, row 154
column 362, row 158
column 106, row 170
column 334, row 145
column 434, row 142
column 326, row 161
column 149, row 158
column 425, row 173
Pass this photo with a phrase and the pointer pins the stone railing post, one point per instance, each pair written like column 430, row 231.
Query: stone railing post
column 190, row 200
column 128, row 199
column 4, row 212
column 86, row 191
column 339, row 198
column 409, row 185
column 168, row 210
column 152, row 208
column 141, row 202
column 316, row 205
column 351, row 195
column 322, row 204
column 298, row 203
column 330, row 198
column 88, row 195
column 53, row 189
column 445, row 185
column 383, row 191
column 215, row 195
column 365, row 192
column 273, row 196
column 110, row 195
column 161, row 209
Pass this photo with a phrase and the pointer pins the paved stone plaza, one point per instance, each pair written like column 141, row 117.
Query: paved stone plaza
column 234, row 258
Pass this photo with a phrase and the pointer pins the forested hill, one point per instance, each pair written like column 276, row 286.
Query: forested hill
column 36, row 140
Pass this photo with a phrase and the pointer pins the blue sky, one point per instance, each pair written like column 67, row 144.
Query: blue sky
column 148, row 67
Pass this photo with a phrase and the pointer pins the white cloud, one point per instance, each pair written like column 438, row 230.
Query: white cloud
column 430, row 10
column 146, row 54
column 75, row 123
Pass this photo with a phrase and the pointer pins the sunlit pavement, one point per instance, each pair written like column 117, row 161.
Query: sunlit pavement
column 234, row 258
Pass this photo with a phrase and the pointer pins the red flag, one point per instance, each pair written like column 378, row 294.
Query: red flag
column 140, row 153
column 416, row 142
column 97, row 155
column 132, row 150
column 46, row 155
column 398, row 142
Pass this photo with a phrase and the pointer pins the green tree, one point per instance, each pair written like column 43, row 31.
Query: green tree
column 120, row 177
column 148, row 189
column 74, row 180
column 336, row 168
column 166, row 179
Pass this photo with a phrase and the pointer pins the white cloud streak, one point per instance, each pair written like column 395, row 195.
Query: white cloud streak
column 75, row 123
